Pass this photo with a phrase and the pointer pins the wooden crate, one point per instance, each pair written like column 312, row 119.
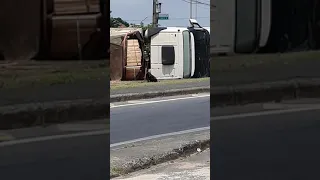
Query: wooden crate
column 132, row 73
column 76, row 6
column 64, row 43
column 134, row 53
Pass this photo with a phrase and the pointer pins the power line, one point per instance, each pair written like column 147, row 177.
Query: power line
column 177, row 18
column 196, row 2
column 203, row 7
column 202, row 3
column 207, row 3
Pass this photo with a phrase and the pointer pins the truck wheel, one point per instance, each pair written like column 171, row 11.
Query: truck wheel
column 2, row 56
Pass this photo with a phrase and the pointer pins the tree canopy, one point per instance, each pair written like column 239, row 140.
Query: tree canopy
column 117, row 22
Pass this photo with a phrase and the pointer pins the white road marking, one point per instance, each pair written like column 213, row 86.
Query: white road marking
column 160, row 136
column 159, row 101
column 81, row 127
column 286, row 106
column 265, row 113
column 136, row 102
column 54, row 137
column 6, row 137
column 200, row 95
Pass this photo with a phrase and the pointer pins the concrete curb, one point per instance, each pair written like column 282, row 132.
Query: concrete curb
column 240, row 94
column 148, row 95
column 28, row 115
column 146, row 162
column 263, row 92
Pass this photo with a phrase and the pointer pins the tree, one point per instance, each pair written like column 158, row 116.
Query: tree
column 117, row 22
column 145, row 27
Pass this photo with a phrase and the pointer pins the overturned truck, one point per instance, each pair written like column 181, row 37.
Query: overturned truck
column 160, row 53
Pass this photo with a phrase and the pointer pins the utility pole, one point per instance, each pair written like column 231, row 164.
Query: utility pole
column 191, row 2
column 196, row 10
column 155, row 14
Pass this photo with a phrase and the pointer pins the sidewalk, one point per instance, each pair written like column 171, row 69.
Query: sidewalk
column 196, row 166
column 134, row 156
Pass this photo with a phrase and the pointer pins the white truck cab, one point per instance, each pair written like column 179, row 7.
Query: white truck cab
column 173, row 51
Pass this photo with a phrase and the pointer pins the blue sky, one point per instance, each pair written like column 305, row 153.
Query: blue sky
column 134, row 11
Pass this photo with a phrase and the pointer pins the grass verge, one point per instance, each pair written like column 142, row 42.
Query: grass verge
column 21, row 74
column 232, row 62
column 133, row 84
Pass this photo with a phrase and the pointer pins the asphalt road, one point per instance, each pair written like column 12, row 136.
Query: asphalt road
column 279, row 143
column 145, row 118
column 78, row 155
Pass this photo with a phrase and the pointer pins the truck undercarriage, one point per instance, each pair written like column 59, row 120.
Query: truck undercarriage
column 295, row 26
